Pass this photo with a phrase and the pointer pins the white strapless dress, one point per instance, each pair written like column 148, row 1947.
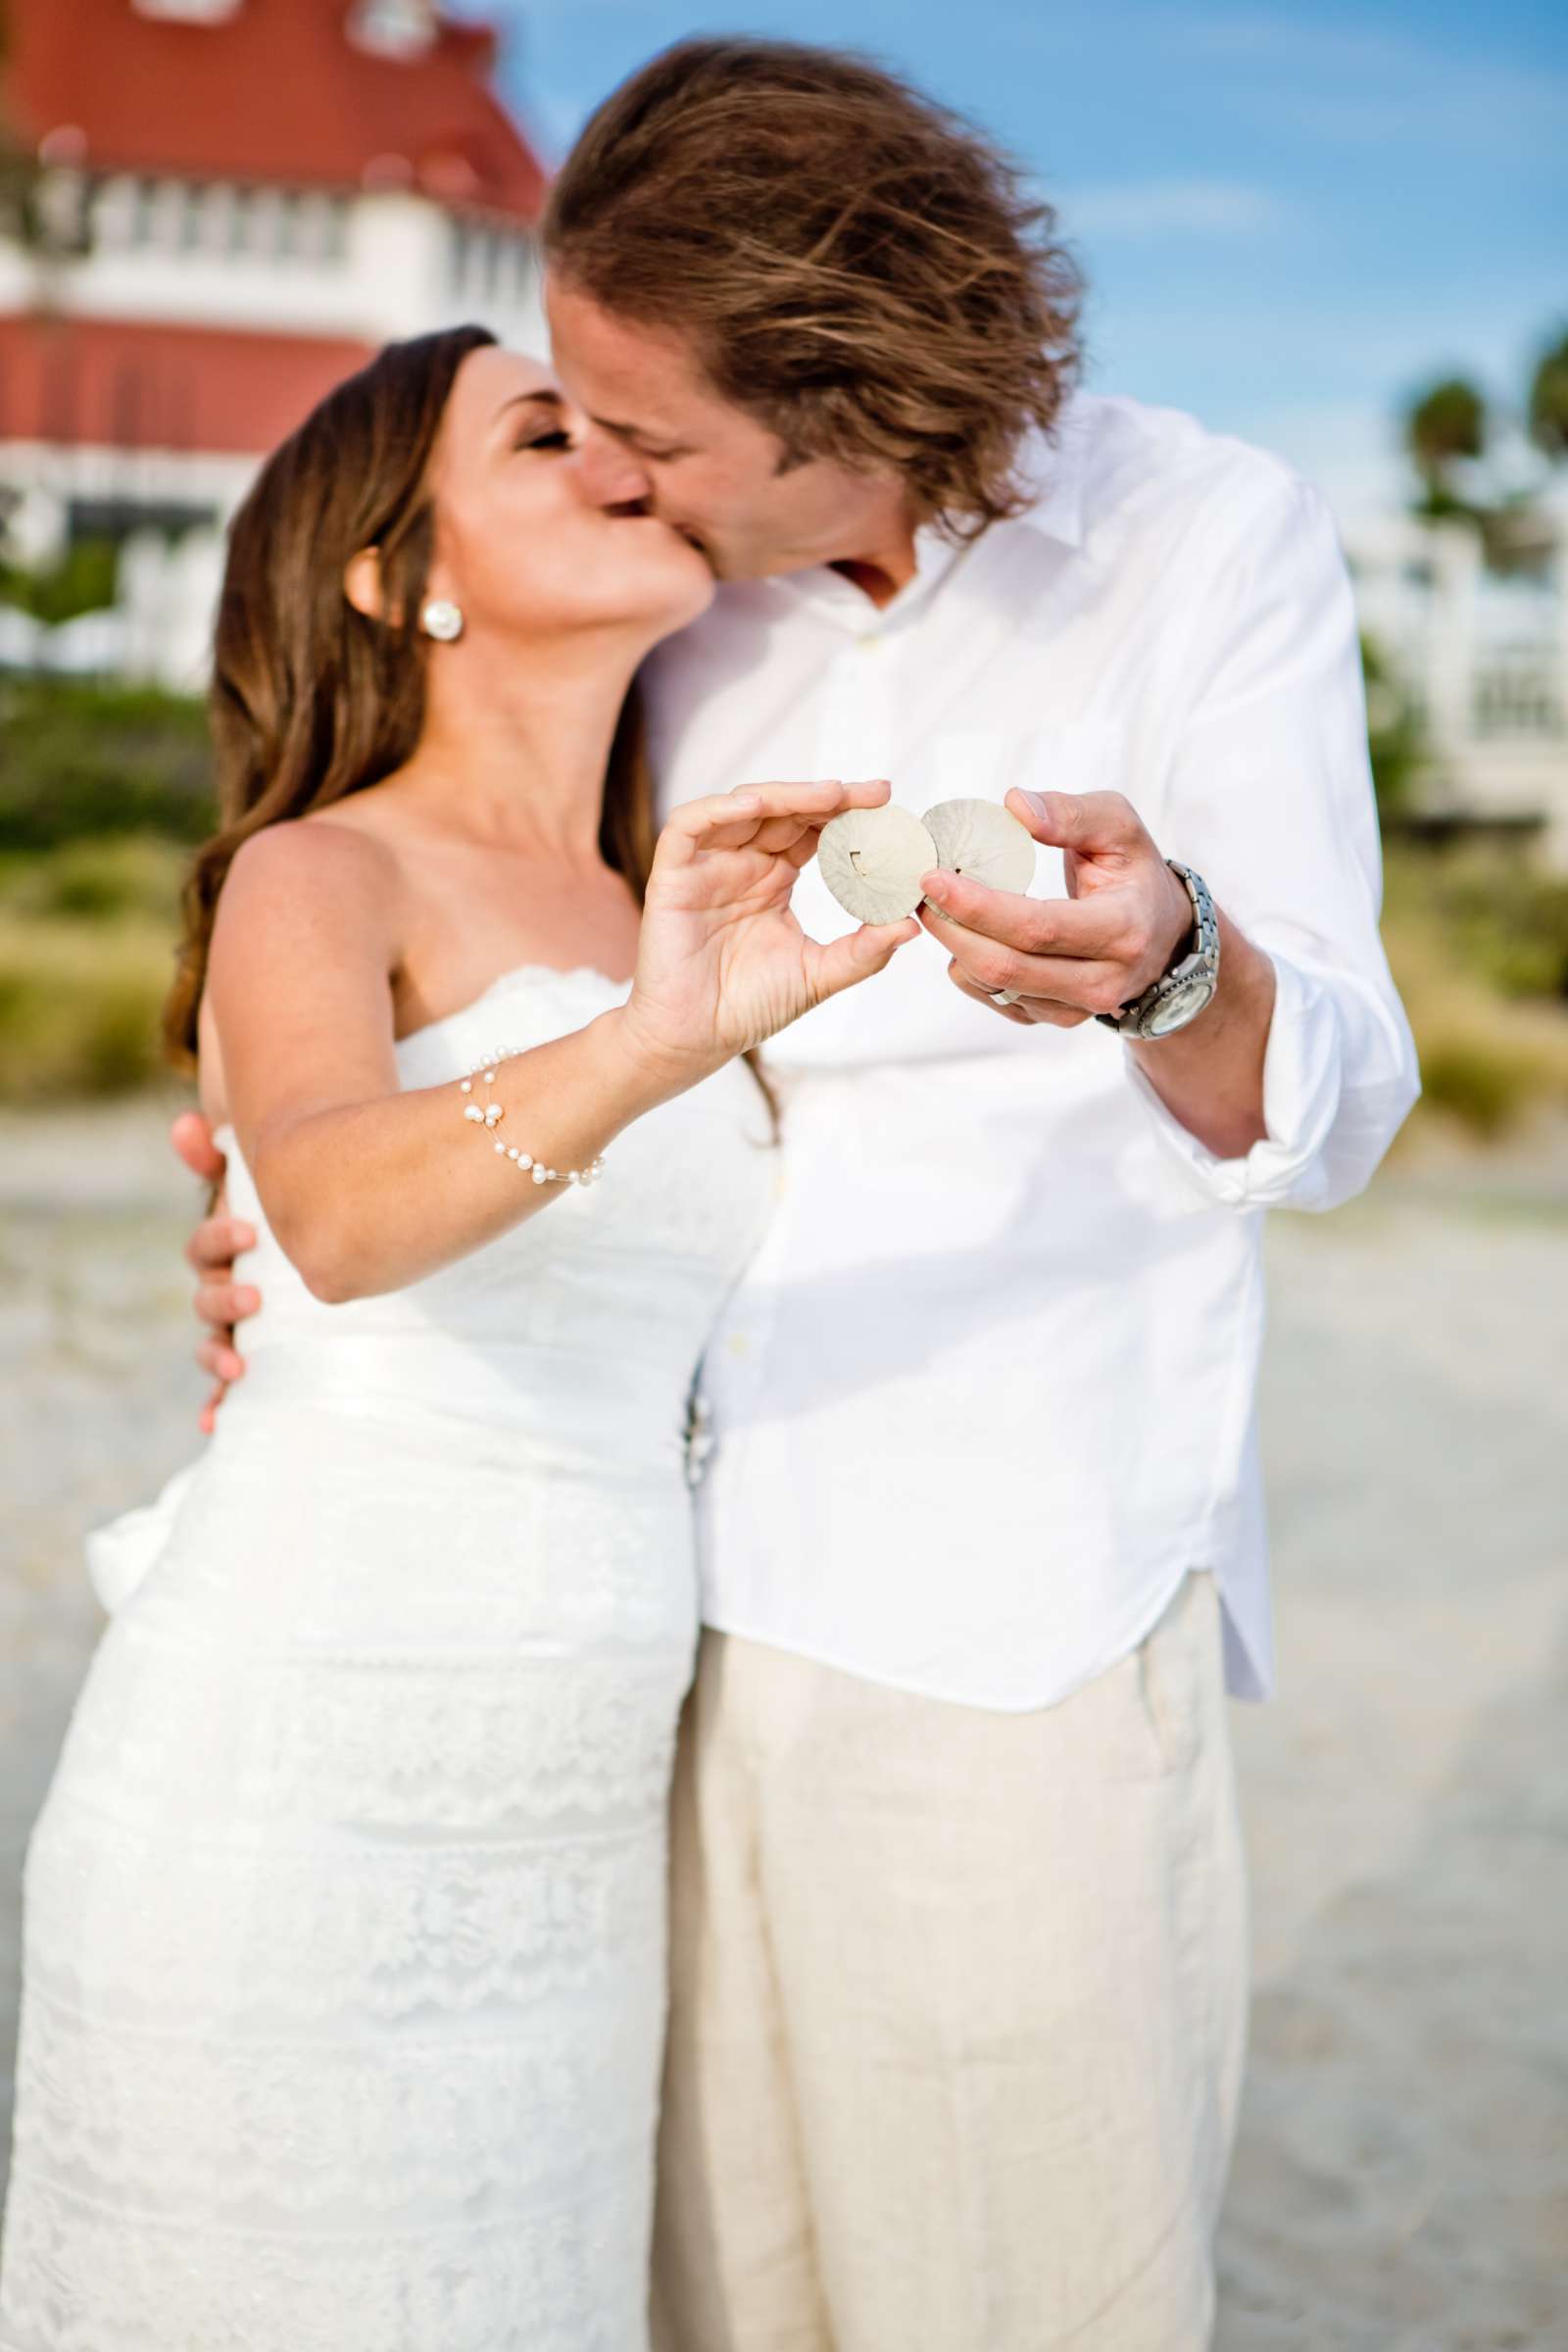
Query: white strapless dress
column 345, row 1915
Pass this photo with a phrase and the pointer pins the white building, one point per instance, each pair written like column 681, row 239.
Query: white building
column 238, row 202
column 1482, row 657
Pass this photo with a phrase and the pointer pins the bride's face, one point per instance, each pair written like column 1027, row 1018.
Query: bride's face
column 519, row 547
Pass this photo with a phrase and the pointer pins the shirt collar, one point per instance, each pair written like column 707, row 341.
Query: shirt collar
column 1053, row 464
column 1053, row 467
column 837, row 598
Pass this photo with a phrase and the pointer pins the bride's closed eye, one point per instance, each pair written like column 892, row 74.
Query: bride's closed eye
column 553, row 437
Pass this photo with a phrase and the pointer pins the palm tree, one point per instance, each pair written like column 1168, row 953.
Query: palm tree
column 1447, row 422
column 1548, row 402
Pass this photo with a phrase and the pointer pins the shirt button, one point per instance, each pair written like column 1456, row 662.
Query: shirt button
column 871, row 645
column 738, row 1343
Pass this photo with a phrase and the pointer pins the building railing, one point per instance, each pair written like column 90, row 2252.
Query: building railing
column 1518, row 690
column 129, row 213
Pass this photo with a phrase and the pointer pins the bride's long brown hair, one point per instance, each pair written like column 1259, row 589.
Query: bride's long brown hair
column 310, row 700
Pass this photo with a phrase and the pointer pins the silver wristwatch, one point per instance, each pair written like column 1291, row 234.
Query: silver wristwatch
column 1181, row 994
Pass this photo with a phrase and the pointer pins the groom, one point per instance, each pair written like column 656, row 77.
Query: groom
column 958, row 1960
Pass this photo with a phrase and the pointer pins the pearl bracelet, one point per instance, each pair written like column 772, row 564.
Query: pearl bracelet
column 489, row 1116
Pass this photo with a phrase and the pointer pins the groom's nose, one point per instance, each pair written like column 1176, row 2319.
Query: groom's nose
column 610, row 474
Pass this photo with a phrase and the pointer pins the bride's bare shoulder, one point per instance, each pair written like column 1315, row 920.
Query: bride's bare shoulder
column 306, row 894
column 329, row 849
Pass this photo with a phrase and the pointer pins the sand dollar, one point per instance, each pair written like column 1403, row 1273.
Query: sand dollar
column 983, row 840
column 872, row 861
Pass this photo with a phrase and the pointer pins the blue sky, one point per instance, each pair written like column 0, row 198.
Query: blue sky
column 1289, row 214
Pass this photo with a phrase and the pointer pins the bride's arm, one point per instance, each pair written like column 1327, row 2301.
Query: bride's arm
column 366, row 1187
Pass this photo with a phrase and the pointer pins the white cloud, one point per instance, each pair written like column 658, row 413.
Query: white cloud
column 1349, row 449
column 1365, row 83
column 1143, row 210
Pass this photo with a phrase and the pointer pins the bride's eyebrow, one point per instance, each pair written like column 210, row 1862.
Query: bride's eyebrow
column 530, row 399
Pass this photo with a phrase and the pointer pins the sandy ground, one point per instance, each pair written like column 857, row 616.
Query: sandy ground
column 1402, row 2178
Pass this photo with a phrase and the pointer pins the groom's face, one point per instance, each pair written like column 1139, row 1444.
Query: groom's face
column 659, row 438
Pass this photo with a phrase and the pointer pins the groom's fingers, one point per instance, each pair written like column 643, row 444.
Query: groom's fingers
column 216, row 1243
column 1092, row 927
column 1087, row 982
column 1085, row 821
column 1029, row 1012
column 223, row 1305
column 220, row 1361
column 192, row 1137
column 980, row 996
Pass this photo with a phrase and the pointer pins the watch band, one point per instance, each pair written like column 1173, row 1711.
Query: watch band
column 1195, row 960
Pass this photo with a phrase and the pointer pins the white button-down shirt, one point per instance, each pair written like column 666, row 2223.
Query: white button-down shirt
column 987, row 1391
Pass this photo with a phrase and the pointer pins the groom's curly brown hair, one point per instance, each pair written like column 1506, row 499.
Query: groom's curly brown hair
column 860, row 270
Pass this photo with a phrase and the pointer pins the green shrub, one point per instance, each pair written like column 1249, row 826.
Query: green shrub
column 90, row 760
column 1497, row 916
column 98, row 880
column 120, row 1045
column 83, row 580
column 1483, row 1081
column 1485, row 1061
column 79, row 1007
column 1394, row 741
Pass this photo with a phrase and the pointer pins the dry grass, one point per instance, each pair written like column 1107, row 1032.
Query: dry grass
column 1487, row 1059
column 79, row 1006
column 87, row 931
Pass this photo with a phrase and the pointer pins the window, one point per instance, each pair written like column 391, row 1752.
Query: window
column 1515, row 692
column 187, row 11
column 242, row 221
column 394, row 27
column 191, row 212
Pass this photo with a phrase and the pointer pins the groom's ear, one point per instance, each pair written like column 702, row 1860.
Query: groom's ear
column 362, row 583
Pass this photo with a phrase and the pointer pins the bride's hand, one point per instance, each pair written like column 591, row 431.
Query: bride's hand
column 722, row 963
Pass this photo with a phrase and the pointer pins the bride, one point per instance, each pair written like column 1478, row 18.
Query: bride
column 344, row 1915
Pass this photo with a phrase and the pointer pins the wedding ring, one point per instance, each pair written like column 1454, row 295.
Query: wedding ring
column 1003, row 996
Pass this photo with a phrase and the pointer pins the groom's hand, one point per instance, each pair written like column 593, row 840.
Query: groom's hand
column 1065, row 960
column 219, row 1301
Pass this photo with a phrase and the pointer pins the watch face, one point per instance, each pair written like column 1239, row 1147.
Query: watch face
column 1182, row 1005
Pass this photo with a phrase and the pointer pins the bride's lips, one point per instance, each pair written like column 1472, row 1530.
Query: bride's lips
column 673, row 531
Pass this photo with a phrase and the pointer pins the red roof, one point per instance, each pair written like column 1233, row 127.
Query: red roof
column 279, row 91
column 122, row 385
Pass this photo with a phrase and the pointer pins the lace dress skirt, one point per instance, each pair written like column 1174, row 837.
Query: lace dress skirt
column 344, row 1919
column 344, row 1947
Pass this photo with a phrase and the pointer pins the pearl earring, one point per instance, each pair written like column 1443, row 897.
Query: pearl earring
column 442, row 619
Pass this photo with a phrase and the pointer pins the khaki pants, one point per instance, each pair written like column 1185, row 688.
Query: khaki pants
column 957, row 2010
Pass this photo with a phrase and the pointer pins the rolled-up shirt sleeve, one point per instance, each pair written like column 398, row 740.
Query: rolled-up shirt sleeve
column 1270, row 799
